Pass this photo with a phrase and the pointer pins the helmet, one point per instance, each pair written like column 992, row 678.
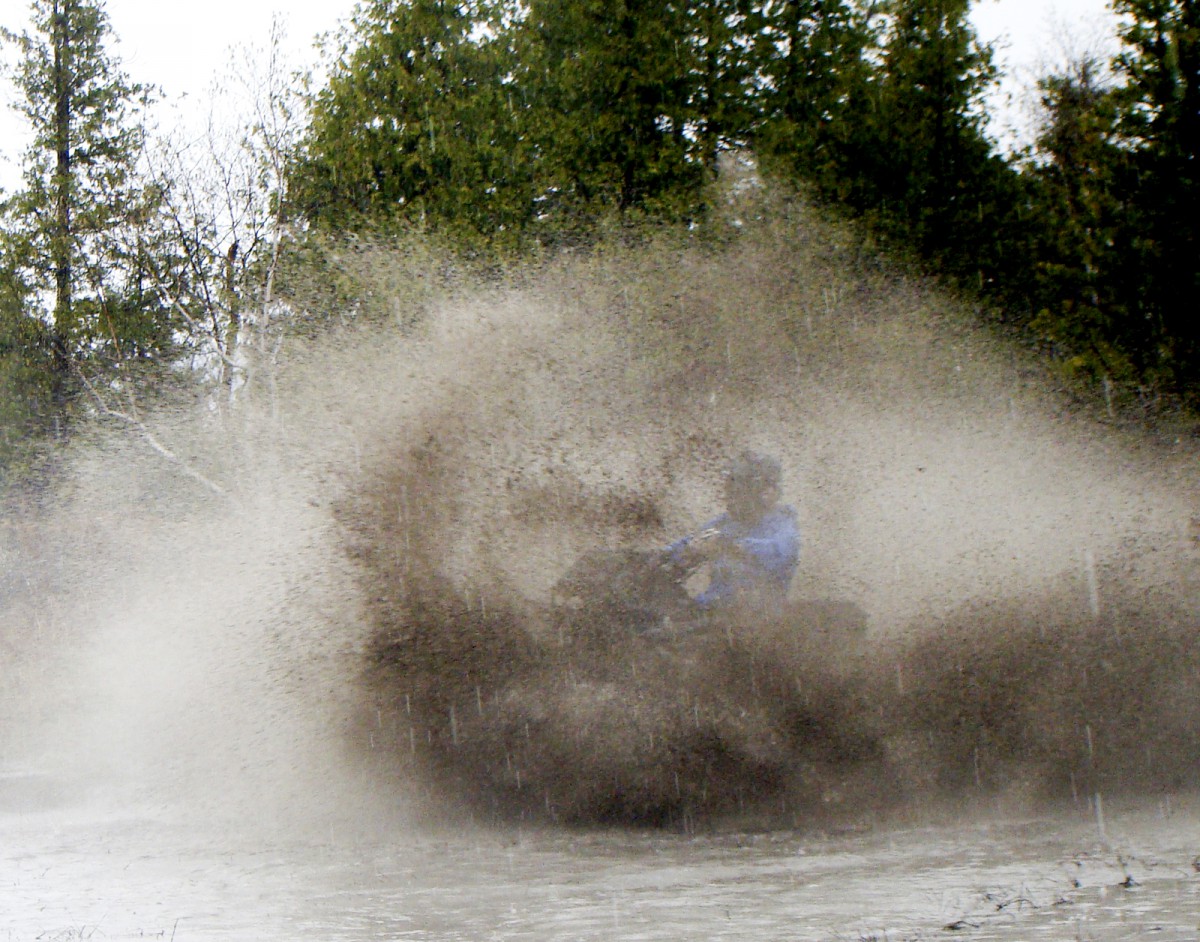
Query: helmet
column 753, row 470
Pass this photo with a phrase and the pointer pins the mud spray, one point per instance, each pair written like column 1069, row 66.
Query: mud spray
column 362, row 616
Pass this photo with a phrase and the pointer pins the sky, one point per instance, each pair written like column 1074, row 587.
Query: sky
column 167, row 44
column 1031, row 37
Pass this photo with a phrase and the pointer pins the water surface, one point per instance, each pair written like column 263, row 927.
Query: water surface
column 80, row 874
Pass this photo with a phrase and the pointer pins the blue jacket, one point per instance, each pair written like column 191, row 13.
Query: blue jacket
column 759, row 559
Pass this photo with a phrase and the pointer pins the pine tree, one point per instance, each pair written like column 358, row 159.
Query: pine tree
column 932, row 143
column 74, row 223
column 26, row 371
column 817, row 88
column 1082, row 255
column 1160, row 119
column 723, row 76
column 417, row 123
column 611, row 92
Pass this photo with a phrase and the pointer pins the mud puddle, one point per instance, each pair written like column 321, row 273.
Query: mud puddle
column 87, row 875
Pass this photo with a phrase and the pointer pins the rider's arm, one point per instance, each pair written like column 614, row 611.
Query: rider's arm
column 698, row 546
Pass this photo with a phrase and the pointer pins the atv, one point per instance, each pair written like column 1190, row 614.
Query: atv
column 609, row 594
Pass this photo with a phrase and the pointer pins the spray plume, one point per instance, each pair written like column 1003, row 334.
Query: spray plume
column 368, row 609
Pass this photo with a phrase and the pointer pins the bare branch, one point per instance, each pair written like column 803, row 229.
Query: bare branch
column 132, row 419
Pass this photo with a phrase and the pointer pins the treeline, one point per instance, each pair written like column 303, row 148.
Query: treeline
column 502, row 127
column 510, row 121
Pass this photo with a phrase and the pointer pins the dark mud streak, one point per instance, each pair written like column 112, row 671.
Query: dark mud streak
column 526, row 711
column 523, row 710
column 403, row 502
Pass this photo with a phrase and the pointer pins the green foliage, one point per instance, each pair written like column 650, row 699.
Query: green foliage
column 819, row 89
column 1160, row 119
column 609, row 85
column 1113, row 267
column 490, row 126
column 489, row 123
column 27, row 357
column 880, row 108
column 1161, row 66
column 417, row 124
column 929, row 164
column 75, row 224
column 724, row 76
column 1076, row 185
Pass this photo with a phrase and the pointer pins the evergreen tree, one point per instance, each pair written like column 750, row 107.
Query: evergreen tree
column 611, row 91
column 1160, row 118
column 723, row 75
column 73, row 226
column 931, row 148
column 26, row 371
column 1082, row 272
column 418, row 123
column 817, row 89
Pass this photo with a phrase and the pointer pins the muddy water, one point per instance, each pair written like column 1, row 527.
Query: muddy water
column 69, row 874
column 196, row 646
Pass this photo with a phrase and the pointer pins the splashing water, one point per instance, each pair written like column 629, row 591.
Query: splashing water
column 363, row 622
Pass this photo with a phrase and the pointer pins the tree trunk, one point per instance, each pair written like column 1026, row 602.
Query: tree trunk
column 61, row 241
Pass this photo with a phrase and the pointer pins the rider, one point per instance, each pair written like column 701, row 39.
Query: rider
column 752, row 549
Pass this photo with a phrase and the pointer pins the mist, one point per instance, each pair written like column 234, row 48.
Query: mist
column 361, row 623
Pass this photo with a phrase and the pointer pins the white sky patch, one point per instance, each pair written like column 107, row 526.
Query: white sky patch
column 182, row 49
column 1033, row 38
